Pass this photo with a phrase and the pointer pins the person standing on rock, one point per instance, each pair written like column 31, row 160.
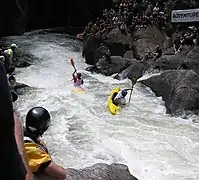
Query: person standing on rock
column 8, row 53
column 177, row 45
column 2, row 59
column 13, row 158
column 39, row 159
column 158, row 52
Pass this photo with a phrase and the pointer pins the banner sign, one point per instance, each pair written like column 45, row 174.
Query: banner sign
column 188, row 15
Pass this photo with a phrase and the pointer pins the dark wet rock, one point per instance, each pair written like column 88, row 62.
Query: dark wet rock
column 92, row 69
column 20, row 86
column 186, row 60
column 179, row 89
column 194, row 53
column 151, row 33
column 10, row 69
column 23, row 60
column 168, row 62
column 134, row 70
column 95, row 47
column 191, row 64
column 191, row 60
column 167, row 43
column 169, row 51
column 186, row 50
column 102, row 172
column 98, row 172
column 89, row 47
column 117, row 65
column 147, row 40
column 100, row 52
column 21, row 64
column 128, row 54
column 24, row 57
column 118, row 42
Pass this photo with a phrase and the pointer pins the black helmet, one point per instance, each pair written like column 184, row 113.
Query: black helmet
column 124, row 92
column 14, row 96
column 11, row 77
column 79, row 75
column 37, row 120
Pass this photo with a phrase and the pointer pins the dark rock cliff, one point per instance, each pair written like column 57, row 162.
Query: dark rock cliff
column 24, row 15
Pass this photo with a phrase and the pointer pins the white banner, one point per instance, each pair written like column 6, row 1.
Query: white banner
column 188, row 15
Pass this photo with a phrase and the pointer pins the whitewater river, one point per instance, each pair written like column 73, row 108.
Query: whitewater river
column 154, row 145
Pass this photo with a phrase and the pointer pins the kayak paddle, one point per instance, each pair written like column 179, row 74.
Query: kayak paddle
column 133, row 80
column 73, row 63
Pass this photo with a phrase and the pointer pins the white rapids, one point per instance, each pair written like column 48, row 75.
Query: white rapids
column 154, row 145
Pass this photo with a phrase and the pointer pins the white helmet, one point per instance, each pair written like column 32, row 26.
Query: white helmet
column 6, row 52
column 13, row 45
column 2, row 59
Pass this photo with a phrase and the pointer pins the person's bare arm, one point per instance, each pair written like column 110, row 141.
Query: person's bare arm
column 56, row 171
column 174, row 47
column 179, row 48
column 20, row 145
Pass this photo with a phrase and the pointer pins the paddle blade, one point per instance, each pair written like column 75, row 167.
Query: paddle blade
column 72, row 62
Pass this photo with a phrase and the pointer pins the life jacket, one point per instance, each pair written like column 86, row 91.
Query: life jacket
column 119, row 99
column 119, row 96
column 37, row 154
column 78, row 81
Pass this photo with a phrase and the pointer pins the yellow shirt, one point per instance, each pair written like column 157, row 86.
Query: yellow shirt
column 9, row 52
column 36, row 154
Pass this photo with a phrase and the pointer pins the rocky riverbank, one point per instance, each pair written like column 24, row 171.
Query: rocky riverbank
column 178, row 88
column 25, row 58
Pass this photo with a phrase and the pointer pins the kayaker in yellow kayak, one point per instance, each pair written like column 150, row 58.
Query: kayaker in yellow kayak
column 39, row 159
column 77, row 78
column 119, row 99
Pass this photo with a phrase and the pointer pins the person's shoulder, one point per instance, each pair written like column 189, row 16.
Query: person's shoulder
column 34, row 149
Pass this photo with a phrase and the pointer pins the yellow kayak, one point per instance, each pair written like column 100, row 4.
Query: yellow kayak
column 112, row 107
column 79, row 90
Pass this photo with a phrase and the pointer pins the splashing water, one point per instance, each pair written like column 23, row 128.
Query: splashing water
column 154, row 145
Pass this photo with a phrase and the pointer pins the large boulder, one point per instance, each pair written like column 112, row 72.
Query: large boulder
column 151, row 33
column 134, row 70
column 179, row 89
column 168, row 62
column 194, row 53
column 20, row 86
column 95, row 47
column 117, row 65
column 118, row 42
column 146, row 40
column 128, row 54
column 191, row 62
column 97, row 172
column 89, row 47
column 186, row 60
column 100, row 52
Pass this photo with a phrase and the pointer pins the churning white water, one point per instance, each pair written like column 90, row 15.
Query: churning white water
column 154, row 145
